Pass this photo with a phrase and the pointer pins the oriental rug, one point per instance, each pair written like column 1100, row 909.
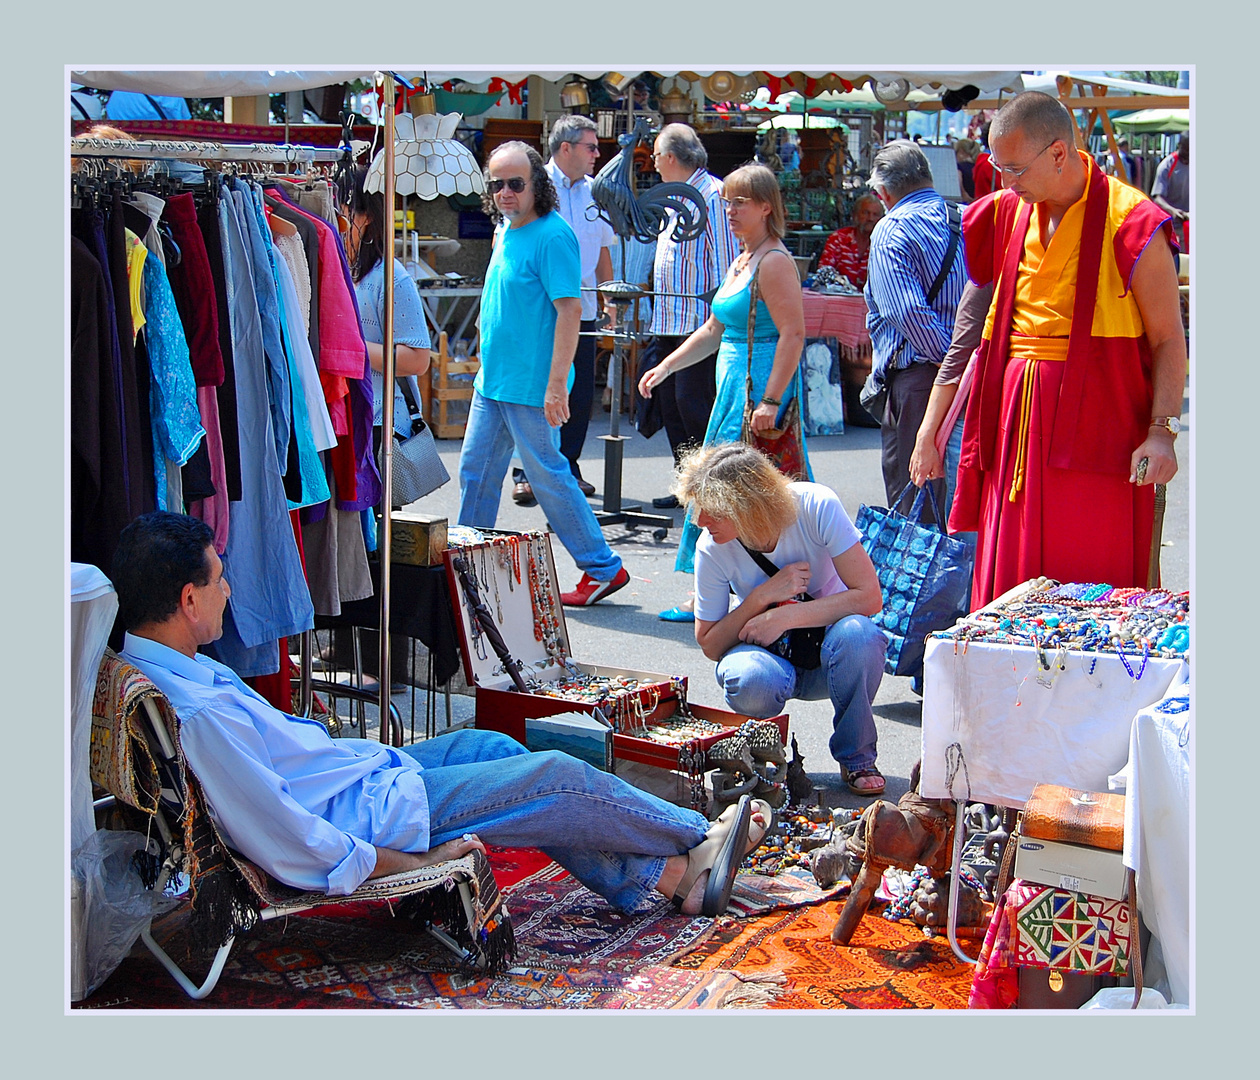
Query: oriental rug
column 787, row 961
column 573, row 952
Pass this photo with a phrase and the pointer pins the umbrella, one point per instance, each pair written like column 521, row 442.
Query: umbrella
column 1153, row 121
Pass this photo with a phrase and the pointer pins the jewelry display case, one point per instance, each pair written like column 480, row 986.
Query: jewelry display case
column 530, row 671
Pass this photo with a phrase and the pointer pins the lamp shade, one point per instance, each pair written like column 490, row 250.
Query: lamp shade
column 428, row 160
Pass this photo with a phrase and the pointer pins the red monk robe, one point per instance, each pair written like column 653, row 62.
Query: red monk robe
column 1063, row 392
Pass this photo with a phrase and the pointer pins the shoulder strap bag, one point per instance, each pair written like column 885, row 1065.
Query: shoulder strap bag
column 802, row 645
column 874, row 393
column 784, row 445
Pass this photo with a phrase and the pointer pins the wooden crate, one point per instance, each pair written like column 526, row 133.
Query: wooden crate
column 498, row 130
column 439, row 390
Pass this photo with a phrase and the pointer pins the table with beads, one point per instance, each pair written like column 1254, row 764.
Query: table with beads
column 1043, row 685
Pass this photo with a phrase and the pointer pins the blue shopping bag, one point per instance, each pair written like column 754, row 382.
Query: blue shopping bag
column 925, row 576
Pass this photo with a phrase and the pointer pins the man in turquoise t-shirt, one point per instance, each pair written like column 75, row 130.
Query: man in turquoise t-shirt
column 530, row 315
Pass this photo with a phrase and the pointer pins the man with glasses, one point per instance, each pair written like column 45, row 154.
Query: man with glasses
column 692, row 268
column 1080, row 373
column 530, row 313
column 574, row 150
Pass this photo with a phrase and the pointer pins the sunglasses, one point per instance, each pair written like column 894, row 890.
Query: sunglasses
column 513, row 183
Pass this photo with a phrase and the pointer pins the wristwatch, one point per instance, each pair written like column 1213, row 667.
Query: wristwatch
column 1171, row 424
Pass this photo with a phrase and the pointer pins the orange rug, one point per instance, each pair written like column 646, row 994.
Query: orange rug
column 786, row 961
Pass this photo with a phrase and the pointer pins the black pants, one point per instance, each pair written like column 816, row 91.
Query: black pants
column 686, row 398
column 908, row 391
column 581, row 399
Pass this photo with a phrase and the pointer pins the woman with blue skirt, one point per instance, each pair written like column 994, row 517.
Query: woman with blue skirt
column 754, row 208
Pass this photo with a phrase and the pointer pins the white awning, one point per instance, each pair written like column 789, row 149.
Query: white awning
column 252, row 82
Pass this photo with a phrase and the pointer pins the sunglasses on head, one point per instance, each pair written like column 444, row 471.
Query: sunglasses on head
column 514, row 183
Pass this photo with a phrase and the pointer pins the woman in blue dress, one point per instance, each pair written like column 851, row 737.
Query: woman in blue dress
column 754, row 208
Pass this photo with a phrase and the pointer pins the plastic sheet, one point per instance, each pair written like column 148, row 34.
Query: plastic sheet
column 117, row 906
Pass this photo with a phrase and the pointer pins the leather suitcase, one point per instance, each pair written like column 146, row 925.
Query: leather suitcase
column 1091, row 818
column 1050, row 988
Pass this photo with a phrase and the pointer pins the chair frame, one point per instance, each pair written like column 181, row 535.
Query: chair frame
column 170, row 806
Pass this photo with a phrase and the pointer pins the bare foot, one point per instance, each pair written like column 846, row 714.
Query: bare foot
column 756, row 832
column 452, row 849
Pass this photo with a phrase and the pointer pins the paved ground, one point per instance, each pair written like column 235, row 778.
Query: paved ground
column 625, row 631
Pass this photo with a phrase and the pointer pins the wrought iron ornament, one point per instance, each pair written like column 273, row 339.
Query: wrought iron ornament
column 645, row 215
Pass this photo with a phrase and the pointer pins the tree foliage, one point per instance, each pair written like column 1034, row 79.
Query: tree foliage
column 1155, row 78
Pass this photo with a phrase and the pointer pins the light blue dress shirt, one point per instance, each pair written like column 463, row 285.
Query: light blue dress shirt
column 303, row 806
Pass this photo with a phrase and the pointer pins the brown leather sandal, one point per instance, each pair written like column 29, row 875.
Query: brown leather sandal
column 851, row 776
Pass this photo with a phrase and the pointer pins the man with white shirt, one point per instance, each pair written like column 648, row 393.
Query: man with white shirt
column 574, row 147
column 688, row 269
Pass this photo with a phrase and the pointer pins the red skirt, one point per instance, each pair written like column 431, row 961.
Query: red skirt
column 1068, row 524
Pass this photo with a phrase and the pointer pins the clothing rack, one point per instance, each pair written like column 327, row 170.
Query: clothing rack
column 281, row 153
column 288, row 153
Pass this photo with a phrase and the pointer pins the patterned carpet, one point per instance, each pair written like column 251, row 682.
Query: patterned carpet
column 787, row 961
column 574, row 952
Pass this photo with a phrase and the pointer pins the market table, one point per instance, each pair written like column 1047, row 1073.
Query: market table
column 996, row 723
column 843, row 319
column 419, row 607
column 454, row 309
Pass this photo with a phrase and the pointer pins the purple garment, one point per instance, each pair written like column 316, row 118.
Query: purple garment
column 214, row 510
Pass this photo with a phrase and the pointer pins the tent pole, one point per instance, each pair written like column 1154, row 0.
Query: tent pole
column 383, row 539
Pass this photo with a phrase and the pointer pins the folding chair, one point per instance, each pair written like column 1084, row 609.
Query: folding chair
column 137, row 758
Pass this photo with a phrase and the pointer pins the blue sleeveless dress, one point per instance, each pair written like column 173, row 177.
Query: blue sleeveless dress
column 730, row 308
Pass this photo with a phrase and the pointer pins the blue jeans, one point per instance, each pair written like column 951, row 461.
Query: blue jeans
column 612, row 837
column 494, row 427
column 757, row 682
column 953, row 454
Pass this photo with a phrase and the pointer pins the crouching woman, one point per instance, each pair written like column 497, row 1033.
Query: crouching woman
column 768, row 546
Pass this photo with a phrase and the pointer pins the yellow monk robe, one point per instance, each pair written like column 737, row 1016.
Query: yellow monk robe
column 1062, row 394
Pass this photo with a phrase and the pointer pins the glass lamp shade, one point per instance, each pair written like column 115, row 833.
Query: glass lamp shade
column 428, row 160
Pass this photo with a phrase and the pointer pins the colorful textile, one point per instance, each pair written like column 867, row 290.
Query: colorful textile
column 786, row 960
column 573, row 951
column 1040, row 926
column 1057, row 477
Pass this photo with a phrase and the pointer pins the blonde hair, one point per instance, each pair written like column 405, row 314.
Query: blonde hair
column 739, row 484
column 108, row 131
column 758, row 182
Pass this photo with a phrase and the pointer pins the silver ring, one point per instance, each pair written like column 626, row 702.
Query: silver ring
column 468, row 836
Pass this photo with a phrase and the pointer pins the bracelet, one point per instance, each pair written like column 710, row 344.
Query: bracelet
column 768, row 400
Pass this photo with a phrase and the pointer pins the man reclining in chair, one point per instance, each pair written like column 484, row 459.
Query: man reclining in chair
column 324, row 815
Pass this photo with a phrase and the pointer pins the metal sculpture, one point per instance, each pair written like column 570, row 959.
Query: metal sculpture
column 645, row 215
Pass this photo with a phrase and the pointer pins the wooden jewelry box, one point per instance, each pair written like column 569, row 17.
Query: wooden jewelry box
column 514, row 576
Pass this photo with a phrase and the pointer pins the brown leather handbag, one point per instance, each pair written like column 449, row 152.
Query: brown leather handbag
column 785, row 444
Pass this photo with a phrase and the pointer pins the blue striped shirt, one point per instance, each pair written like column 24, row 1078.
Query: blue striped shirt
column 693, row 267
column 908, row 247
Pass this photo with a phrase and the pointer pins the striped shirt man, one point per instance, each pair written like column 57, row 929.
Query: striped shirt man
column 908, row 248
column 693, row 267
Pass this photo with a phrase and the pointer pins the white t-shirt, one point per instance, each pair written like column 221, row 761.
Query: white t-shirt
column 822, row 531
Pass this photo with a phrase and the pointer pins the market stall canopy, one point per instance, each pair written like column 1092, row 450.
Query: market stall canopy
column 1154, row 121
column 253, row 82
column 1047, row 83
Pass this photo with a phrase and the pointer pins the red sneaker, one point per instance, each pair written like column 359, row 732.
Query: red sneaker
column 590, row 591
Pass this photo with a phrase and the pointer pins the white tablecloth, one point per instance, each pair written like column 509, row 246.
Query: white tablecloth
column 993, row 730
column 1157, row 820
column 93, row 604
